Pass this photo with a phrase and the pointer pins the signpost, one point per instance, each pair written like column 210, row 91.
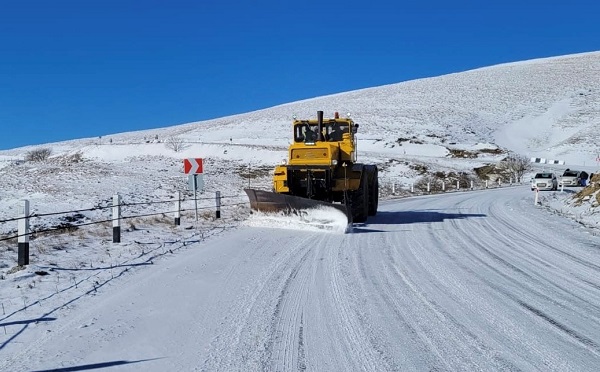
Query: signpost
column 193, row 167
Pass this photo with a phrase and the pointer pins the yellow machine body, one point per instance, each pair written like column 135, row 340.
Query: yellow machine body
column 322, row 167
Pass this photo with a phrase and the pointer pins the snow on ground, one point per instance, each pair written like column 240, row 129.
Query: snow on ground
column 480, row 280
column 319, row 219
column 544, row 108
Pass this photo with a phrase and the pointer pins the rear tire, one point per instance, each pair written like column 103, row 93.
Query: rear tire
column 373, row 189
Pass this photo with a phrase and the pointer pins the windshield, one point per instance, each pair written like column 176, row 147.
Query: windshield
column 543, row 175
column 335, row 131
column 570, row 174
column 306, row 133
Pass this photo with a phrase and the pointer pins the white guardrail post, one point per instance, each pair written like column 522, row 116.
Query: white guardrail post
column 218, row 200
column 116, row 218
column 178, row 208
column 23, row 232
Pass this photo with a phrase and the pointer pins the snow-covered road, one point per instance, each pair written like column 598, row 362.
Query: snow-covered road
column 459, row 282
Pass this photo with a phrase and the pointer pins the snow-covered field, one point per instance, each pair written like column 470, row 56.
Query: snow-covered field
column 545, row 108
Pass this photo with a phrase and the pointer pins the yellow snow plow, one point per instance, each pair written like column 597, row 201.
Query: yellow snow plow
column 322, row 170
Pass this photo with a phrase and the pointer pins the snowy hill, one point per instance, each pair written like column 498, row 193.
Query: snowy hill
column 548, row 108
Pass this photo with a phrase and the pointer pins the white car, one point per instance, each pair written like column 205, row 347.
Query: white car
column 571, row 178
column 544, row 181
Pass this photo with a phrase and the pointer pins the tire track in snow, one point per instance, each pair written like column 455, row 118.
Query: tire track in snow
column 533, row 284
column 569, row 300
column 411, row 301
column 362, row 353
column 287, row 318
column 247, row 325
column 265, row 333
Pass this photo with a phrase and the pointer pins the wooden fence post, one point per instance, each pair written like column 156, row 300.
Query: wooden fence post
column 23, row 231
column 116, row 214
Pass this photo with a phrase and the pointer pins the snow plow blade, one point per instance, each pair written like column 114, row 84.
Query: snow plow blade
column 269, row 202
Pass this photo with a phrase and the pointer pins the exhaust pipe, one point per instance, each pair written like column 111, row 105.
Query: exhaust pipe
column 320, row 121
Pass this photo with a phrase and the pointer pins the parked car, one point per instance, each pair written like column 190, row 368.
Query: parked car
column 571, row 178
column 544, row 181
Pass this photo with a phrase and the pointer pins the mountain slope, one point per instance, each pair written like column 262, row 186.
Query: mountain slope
column 541, row 108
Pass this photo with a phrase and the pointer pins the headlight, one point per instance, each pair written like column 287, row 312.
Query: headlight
column 334, row 162
column 284, row 162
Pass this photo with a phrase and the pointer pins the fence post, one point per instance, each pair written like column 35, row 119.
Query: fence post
column 23, row 231
column 428, row 187
column 178, row 208
column 471, row 184
column 443, row 186
column 393, row 188
column 218, row 200
column 458, row 184
column 116, row 214
column 486, row 184
column 536, row 200
column 412, row 187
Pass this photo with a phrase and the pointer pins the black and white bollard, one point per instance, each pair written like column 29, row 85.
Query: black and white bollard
column 218, row 200
column 178, row 208
column 23, row 240
column 116, row 218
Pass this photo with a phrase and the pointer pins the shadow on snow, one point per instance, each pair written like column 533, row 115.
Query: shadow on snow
column 86, row 367
column 410, row 217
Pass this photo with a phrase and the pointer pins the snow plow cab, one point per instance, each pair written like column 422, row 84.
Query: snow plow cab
column 322, row 169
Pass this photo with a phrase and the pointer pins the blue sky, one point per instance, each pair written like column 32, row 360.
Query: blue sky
column 75, row 69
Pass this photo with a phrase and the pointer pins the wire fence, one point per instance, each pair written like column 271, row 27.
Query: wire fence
column 396, row 186
column 69, row 225
column 75, row 218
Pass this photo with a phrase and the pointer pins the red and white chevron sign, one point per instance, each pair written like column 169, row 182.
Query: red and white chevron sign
column 192, row 165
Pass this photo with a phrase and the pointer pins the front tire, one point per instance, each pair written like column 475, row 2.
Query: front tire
column 360, row 200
